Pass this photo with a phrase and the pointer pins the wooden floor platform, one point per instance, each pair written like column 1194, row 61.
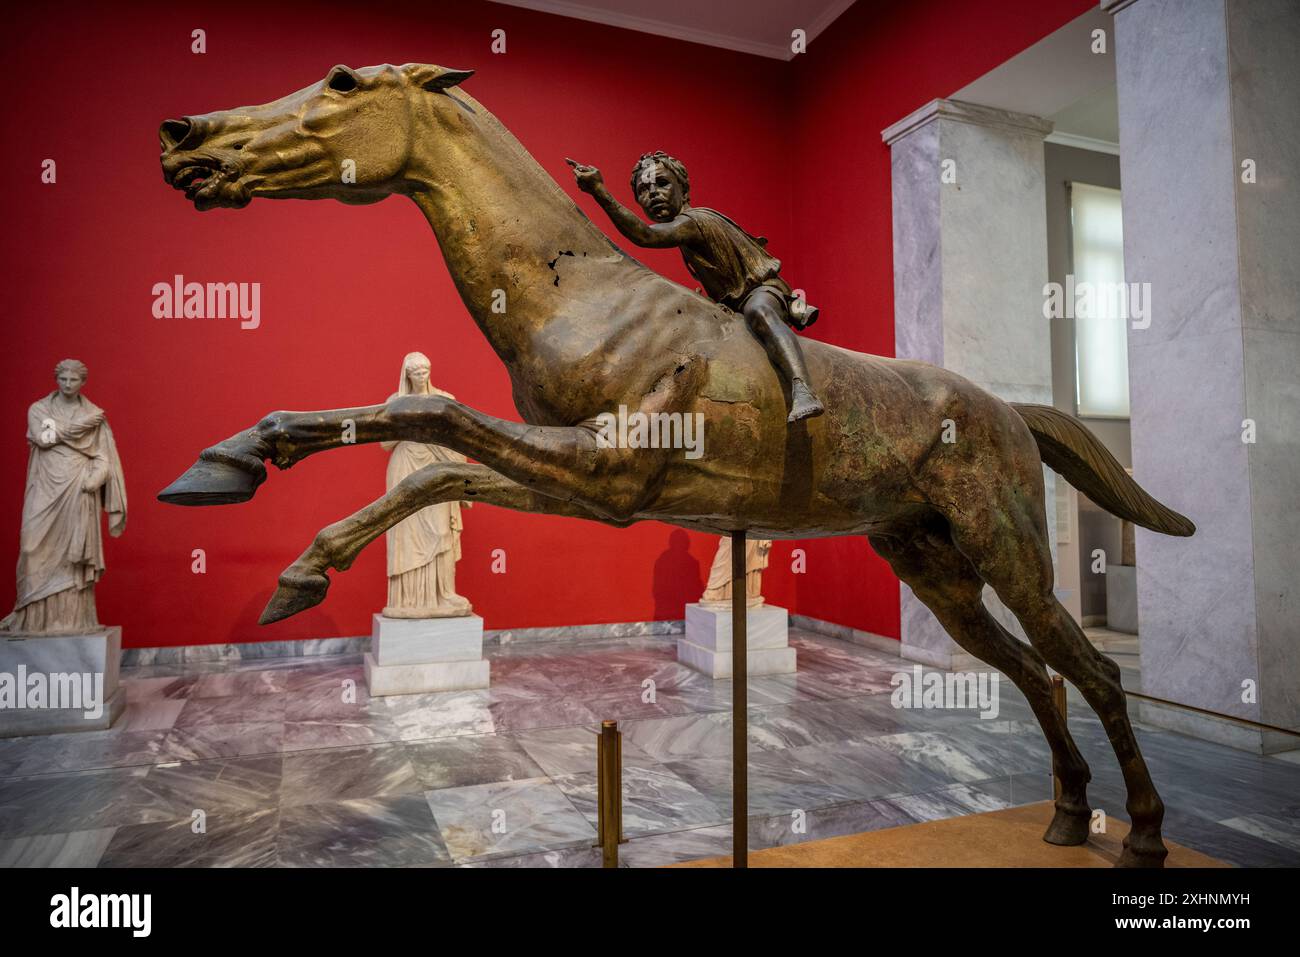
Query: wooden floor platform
column 1008, row 838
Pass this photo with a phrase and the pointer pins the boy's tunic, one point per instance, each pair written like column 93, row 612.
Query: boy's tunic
column 735, row 263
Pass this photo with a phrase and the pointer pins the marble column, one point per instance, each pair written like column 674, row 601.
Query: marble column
column 970, row 264
column 1204, row 87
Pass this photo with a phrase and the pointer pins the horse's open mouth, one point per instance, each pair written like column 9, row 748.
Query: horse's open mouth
column 192, row 179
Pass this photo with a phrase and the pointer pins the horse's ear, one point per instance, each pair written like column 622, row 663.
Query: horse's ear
column 436, row 79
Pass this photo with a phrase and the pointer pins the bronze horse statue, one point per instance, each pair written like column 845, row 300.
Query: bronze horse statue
column 583, row 328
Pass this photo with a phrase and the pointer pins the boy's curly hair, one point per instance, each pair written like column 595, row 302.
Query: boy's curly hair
column 673, row 164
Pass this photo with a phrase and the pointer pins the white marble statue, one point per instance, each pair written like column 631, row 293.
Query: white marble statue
column 73, row 473
column 717, row 593
column 424, row 548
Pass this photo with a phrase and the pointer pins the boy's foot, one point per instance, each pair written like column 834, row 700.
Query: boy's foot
column 803, row 403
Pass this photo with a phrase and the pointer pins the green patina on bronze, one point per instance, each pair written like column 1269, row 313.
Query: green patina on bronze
column 587, row 328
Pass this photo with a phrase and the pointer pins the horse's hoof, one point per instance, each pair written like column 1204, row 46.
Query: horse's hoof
column 1068, row 828
column 297, row 592
column 215, row 481
column 1149, row 854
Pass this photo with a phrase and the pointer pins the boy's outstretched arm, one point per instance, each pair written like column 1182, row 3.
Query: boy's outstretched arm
column 680, row 232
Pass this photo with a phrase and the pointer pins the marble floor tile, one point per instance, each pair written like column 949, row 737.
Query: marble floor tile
column 955, row 760
column 526, row 714
column 339, row 732
column 507, row 817
column 685, row 736
column 232, row 709
column 74, row 849
column 155, row 714
column 1014, row 790
column 1279, row 831
column 77, row 801
column 580, row 855
column 170, row 688
column 246, row 839
column 787, row 689
column 948, row 802
column 630, row 703
column 87, row 750
column 333, row 700
column 560, row 751
column 394, row 831
column 238, row 785
column 331, row 679
column 440, row 715
column 205, row 742
column 470, row 759
column 816, row 722
column 518, row 678
column 342, row 774
column 231, row 683
column 661, row 850
column 787, row 781
column 13, row 751
column 835, row 820
column 654, row 800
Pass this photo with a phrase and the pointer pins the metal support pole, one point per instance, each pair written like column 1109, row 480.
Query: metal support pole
column 609, row 792
column 1058, row 700
column 739, row 705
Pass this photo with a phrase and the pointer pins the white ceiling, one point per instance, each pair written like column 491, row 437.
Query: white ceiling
column 762, row 27
column 1060, row 79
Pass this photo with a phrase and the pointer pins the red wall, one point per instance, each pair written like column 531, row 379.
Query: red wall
column 874, row 65
column 347, row 291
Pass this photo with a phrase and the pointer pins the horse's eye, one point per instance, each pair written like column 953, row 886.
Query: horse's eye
column 341, row 81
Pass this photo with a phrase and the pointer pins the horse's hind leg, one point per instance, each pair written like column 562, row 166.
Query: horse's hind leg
column 304, row 583
column 1006, row 540
column 944, row 579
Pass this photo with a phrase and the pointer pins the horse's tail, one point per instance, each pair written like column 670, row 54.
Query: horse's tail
column 1070, row 449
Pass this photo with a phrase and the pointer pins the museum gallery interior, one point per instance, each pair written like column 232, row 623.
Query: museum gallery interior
column 932, row 365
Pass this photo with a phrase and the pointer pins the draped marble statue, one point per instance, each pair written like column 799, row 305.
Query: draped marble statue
column 424, row 548
column 73, row 472
column 717, row 592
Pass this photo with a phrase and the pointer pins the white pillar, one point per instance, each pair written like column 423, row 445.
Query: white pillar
column 970, row 264
column 1205, row 86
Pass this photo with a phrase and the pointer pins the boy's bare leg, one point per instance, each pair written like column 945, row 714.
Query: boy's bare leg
column 765, row 314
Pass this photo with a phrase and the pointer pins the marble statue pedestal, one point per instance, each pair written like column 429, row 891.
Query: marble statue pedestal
column 419, row 655
column 60, row 665
column 707, row 645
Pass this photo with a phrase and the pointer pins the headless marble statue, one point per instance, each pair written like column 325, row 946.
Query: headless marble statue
column 73, row 472
column 422, row 549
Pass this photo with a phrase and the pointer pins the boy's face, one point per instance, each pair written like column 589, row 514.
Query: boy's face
column 659, row 193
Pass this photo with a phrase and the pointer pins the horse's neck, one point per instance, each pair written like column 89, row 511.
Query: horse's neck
column 502, row 223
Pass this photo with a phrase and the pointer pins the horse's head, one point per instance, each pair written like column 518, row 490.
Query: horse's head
column 347, row 137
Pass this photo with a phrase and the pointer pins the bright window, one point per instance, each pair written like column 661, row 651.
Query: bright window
column 1100, row 334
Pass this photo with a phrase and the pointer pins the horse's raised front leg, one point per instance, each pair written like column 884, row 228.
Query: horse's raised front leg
column 558, row 461
column 336, row 546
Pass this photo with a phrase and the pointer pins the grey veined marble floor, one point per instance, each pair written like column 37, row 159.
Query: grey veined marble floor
column 271, row 763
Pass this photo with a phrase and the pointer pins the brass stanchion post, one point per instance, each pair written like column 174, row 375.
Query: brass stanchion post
column 609, row 792
column 739, row 714
column 1058, row 700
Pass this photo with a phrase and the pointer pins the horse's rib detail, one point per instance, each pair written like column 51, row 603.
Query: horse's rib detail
column 1069, row 448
